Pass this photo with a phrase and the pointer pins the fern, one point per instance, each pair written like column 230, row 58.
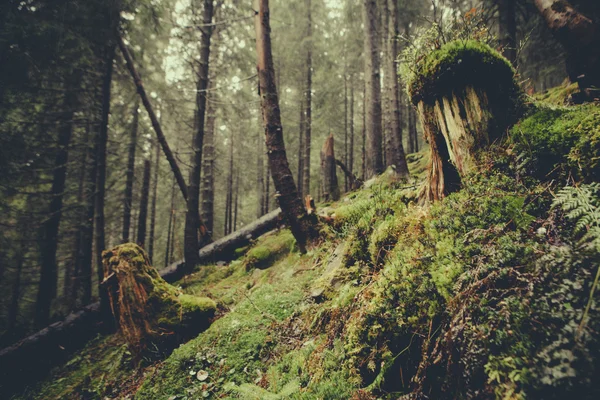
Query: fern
column 582, row 205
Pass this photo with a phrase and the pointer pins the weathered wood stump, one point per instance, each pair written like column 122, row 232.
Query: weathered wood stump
column 150, row 313
column 331, row 189
column 467, row 96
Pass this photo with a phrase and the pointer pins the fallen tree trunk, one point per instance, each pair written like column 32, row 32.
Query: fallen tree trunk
column 32, row 357
column 223, row 249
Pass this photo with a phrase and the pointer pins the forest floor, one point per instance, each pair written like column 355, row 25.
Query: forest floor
column 481, row 295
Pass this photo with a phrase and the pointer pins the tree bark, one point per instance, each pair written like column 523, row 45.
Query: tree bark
column 196, row 234
column 155, row 124
column 308, row 104
column 374, row 158
column 153, row 206
column 396, row 156
column 129, row 175
column 303, row 228
column 346, row 183
column 49, row 229
column 351, row 156
column 331, row 190
column 170, row 227
column 208, row 165
column 101, row 176
column 579, row 35
column 507, row 27
column 260, row 177
column 143, row 214
column 300, row 177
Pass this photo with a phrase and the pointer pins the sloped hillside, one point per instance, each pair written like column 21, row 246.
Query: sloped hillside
column 489, row 293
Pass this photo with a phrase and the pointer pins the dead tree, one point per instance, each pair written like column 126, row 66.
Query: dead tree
column 462, row 112
column 147, row 310
column 143, row 215
column 331, row 189
column 129, row 175
column 302, row 226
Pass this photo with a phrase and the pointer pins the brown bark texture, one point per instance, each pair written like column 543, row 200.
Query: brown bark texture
column 331, row 189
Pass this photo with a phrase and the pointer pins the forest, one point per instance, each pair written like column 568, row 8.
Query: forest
column 299, row 199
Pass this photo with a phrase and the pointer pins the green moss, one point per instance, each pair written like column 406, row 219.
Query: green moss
column 559, row 95
column 459, row 64
column 268, row 249
column 557, row 143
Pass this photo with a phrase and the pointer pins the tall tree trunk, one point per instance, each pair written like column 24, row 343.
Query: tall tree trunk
column 196, row 234
column 308, row 104
column 396, row 156
column 237, row 192
column 268, row 188
column 346, row 186
column 85, row 277
column 260, row 177
column 303, row 228
column 143, row 212
column 229, row 200
column 130, row 173
column 579, row 35
column 507, row 27
column 153, row 206
column 72, row 274
column 331, row 190
column 351, row 157
column 15, row 295
column 101, row 177
column 300, row 177
column 155, row 124
column 363, row 157
column 170, row 227
column 50, row 227
column 208, row 166
column 374, row 158
column 413, row 126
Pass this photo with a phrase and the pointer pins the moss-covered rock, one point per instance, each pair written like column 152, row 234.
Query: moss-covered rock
column 150, row 313
column 268, row 249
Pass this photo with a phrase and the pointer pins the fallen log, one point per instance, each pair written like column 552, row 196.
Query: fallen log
column 223, row 249
column 32, row 357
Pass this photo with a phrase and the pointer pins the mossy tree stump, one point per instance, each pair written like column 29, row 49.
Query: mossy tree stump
column 466, row 96
column 150, row 314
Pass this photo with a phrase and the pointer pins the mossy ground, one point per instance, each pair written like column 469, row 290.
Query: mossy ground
column 476, row 296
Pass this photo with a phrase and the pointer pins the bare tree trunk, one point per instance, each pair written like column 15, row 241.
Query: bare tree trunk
column 507, row 26
column 374, row 158
column 396, row 156
column 155, row 124
column 303, row 228
column 49, row 229
column 101, row 179
column 170, row 227
column 579, row 35
column 308, row 104
column 15, row 295
column 300, row 177
column 128, row 197
column 331, row 190
column 268, row 188
column 208, row 166
column 195, row 233
column 237, row 191
column 153, row 206
column 346, row 183
column 260, row 178
column 364, row 135
column 351, row 157
column 143, row 213
column 72, row 273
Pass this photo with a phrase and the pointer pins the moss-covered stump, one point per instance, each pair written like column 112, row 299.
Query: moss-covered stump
column 152, row 315
column 466, row 96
